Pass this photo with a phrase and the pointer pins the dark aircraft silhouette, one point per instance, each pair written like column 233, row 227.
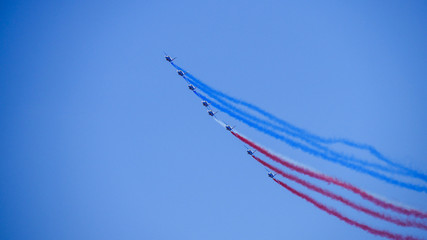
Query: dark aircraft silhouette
column 210, row 112
column 229, row 128
column 270, row 174
column 191, row 87
column 250, row 151
column 168, row 58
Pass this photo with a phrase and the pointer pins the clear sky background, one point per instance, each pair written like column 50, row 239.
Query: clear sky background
column 101, row 139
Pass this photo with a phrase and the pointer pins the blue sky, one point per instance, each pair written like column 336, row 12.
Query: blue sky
column 102, row 140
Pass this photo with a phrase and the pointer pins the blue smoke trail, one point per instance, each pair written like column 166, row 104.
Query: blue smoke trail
column 305, row 136
column 315, row 153
column 325, row 149
column 382, row 168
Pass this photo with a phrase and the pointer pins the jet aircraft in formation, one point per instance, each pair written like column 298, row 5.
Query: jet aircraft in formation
column 229, row 128
column 211, row 113
column 180, row 73
column 168, row 58
column 191, row 87
column 250, row 151
column 270, row 174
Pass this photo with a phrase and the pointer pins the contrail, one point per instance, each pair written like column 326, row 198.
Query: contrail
column 345, row 201
column 332, row 180
column 304, row 135
column 335, row 213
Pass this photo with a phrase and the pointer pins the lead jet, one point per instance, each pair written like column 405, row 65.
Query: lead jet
column 270, row 174
column 168, row 58
column 205, row 103
column 210, row 112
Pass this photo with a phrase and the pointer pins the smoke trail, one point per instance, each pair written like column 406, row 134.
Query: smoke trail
column 343, row 218
column 302, row 134
column 334, row 154
column 345, row 201
column 332, row 180
column 315, row 153
column 338, row 158
column 312, row 143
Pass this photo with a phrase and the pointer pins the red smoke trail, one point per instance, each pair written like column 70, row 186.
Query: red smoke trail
column 345, row 219
column 335, row 181
column 341, row 199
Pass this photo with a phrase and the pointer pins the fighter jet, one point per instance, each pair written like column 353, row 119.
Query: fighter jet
column 180, row 73
column 270, row 174
column 229, row 128
column 250, row 151
column 210, row 112
column 205, row 103
column 191, row 87
column 168, row 58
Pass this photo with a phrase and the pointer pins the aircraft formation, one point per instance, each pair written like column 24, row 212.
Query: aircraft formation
column 206, row 104
column 216, row 101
